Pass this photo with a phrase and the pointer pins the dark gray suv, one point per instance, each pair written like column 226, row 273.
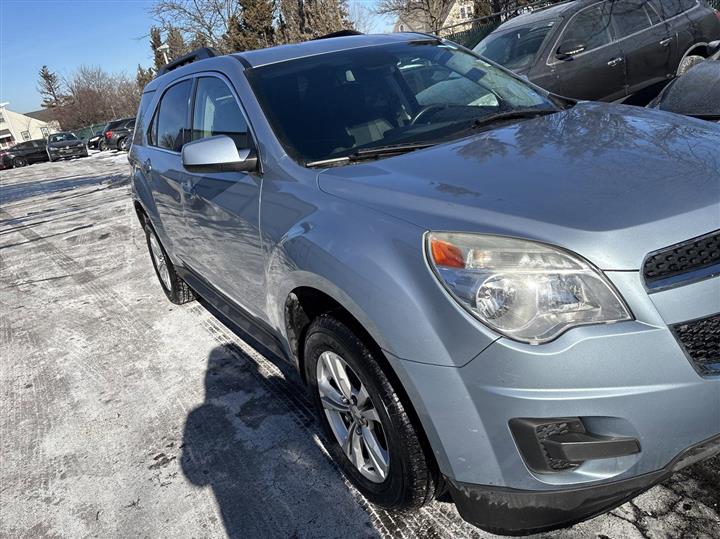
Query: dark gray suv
column 491, row 292
column 604, row 50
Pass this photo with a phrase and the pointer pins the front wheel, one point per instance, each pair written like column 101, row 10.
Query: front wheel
column 176, row 290
column 102, row 146
column 371, row 435
column 19, row 162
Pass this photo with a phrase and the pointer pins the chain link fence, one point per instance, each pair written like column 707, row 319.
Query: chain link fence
column 482, row 26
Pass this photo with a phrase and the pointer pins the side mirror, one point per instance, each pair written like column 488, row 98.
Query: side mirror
column 570, row 48
column 217, row 154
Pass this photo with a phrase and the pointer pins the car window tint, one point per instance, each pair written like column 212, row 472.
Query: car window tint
column 629, row 16
column 671, row 8
column 172, row 117
column 218, row 113
column 590, row 26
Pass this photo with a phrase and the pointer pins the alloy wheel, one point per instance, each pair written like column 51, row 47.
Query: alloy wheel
column 353, row 417
column 160, row 263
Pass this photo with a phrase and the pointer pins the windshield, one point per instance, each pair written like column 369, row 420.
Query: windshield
column 59, row 137
column 334, row 105
column 515, row 49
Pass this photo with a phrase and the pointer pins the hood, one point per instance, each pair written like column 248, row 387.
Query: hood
column 65, row 144
column 611, row 183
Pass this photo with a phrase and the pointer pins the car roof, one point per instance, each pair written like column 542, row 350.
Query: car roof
column 551, row 12
column 282, row 53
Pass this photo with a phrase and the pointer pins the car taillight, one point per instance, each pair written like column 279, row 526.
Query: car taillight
column 108, row 135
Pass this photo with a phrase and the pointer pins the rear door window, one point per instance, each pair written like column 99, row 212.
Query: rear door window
column 629, row 17
column 170, row 129
column 590, row 26
column 216, row 112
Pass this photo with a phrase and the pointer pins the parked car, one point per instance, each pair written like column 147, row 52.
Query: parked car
column 23, row 153
column 604, row 50
column 696, row 93
column 120, row 137
column 490, row 291
column 62, row 145
column 103, row 144
column 94, row 140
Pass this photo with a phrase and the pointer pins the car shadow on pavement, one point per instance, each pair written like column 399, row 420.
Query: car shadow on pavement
column 269, row 478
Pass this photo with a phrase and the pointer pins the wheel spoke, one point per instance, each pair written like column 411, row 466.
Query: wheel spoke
column 370, row 414
column 331, row 398
column 361, row 396
column 347, row 445
column 377, row 455
column 337, row 369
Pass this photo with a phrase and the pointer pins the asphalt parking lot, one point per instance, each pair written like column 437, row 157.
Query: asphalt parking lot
column 122, row 415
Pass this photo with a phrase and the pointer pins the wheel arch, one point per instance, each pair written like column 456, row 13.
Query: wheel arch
column 303, row 305
column 696, row 49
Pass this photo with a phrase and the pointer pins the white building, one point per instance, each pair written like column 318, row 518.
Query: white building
column 458, row 15
column 16, row 127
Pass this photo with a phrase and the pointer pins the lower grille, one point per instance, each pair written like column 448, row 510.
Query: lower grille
column 700, row 340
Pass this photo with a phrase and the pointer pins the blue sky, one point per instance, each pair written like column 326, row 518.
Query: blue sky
column 64, row 34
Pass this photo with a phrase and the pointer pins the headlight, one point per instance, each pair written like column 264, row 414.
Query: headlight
column 528, row 291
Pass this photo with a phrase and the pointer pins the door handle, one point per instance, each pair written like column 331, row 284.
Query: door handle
column 616, row 61
column 665, row 42
column 146, row 167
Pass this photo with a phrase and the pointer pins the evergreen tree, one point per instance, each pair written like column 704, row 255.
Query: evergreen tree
column 143, row 76
column 155, row 43
column 252, row 28
column 176, row 43
column 50, row 88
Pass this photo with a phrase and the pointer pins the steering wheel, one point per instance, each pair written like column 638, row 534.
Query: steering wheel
column 424, row 112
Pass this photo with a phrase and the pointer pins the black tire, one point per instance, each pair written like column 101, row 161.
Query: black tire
column 411, row 478
column 102, row 145
column 19, row 162
column 176, row 290
column 123, row 144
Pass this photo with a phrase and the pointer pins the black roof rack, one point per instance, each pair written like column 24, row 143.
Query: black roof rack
column 340, row 33
column 189, row 58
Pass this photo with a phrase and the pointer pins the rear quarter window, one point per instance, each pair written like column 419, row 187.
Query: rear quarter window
column 142, row 121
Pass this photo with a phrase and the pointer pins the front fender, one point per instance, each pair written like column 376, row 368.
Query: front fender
column 373, row 265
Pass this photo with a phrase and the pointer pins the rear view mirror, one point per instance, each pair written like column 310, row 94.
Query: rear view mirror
column 570, row 48
column 217, row 154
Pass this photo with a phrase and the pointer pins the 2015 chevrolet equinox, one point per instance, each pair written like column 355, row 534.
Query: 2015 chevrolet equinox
column 490, row 291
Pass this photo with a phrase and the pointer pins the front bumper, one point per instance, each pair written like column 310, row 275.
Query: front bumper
column 75, row 151
column 521, row 512
column 629, row 380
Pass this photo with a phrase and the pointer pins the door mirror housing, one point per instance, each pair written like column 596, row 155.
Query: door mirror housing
column 217, row 154
column 570, row 48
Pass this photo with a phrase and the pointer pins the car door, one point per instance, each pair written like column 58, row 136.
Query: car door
column 598, row 71
column 222, row 208
column 162, row 165
column 38, row 151
column 645, row 41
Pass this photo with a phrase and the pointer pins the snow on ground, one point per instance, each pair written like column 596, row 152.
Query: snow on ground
column 122, row 415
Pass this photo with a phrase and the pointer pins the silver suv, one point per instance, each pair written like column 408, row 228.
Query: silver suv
column 492, row 293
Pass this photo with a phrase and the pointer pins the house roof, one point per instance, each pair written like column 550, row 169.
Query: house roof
column 44, row 115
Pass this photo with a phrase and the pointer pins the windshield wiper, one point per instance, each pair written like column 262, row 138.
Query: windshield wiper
column 372, row 153
column 510, row 115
